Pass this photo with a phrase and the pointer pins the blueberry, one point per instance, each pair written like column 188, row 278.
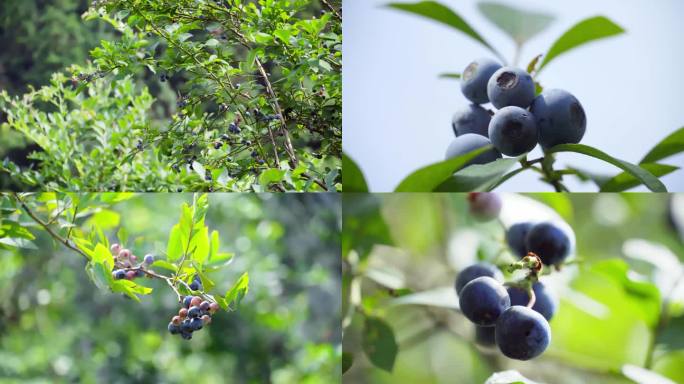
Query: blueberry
column 545, row 302
column 474, row 271
column 560, row 118
column 195, row 286
column 513, row 131
column 510, row 86
column 471, row 119
column 475, row 78
column 194, row 312
column 196, row 301
column 185, row 326
column 204, row 306
column 173, row 328
column 254, row 154
column 196, row 324
column 149, row 259
column 186, row 335
column 186, row 301
column 485, row 336
column 522, row 333
column 139, row 273
column 550, row 242
column 515, row 237
column 470, row 142
column 115, row 248
column 483, row 300
column 206, row 319
column 213, row 307
column 218, row 145
column 484, row 206
column 119, row 274
column 261, row 162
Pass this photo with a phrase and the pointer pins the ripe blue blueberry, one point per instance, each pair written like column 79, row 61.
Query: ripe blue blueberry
column 196, row 324
column 522, row 333
column 471, row 119
column 485, row 336
column 194, row 286
column 149, row 259
column 552, row 243
column 510, row 86
column 469, row 142
column 484, row 206
column 186, row 301
column 515, row 237
column 185, row 326
column 186, row 335
column 194, row 312
column 545, row 302
column 483, row 300
column 513, row 131
column 560, row 118
column 119, row 274
column 173, row 328
column 475, row 78
column 474, row 271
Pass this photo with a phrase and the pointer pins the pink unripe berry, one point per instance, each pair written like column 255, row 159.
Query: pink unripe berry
column 130, row 275
column 204, row 306
column 195, row 302
column 213, row 307
column 183, row 313
column 124, row 254
column 134, row 258
column 206, row 319
column 115, row 248
column 176, row 319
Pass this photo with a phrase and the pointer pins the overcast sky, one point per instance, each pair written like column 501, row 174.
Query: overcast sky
column 397, row 112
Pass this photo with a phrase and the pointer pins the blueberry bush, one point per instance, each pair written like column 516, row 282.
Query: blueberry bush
column 525, row 112
column 118, row 287
column 465, row 287
column 228, row 95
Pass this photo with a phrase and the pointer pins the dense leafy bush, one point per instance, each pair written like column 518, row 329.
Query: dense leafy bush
column 258, row 98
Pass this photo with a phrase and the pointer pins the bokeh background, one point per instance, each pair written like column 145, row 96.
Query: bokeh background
column 397, row 112
column 621, row 298
column 56, row 326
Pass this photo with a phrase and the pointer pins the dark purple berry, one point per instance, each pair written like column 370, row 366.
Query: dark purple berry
column 173, row 328
column 196, row 324
column 194, row 312
column 186, row 301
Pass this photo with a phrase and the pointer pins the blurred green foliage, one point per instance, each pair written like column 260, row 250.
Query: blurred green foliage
column 621, row 299
column 56, row 326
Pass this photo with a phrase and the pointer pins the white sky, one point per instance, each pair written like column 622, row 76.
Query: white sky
column 397, row 112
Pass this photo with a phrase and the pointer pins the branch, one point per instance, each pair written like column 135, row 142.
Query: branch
column 332, row 9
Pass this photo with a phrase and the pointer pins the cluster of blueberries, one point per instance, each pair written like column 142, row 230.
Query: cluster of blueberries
column 521, row 121
column 502, row 313
column 126, row 264
column 193, row 315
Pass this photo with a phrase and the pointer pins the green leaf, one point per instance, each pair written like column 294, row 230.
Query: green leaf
column 477, row 177
column 235, row 295
column 122, row 235
column 441, row 297
column 625, row 181
column 650, row 181
column 207, row 283
column 520, row 25
column 428, row 178
column 11, row 228
column 438, row 12
column 18, row 243
column 200, row 245
column 103, row 255
column 347, row 361
column 175, row 248
column 560, row 203
column 379, row 344
column 587, row 30
column 272, row 175
column 352, row 177
column 199, row 207
column 165, row 265
column 671, row 145
column 363, row 225
column 214, row 244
